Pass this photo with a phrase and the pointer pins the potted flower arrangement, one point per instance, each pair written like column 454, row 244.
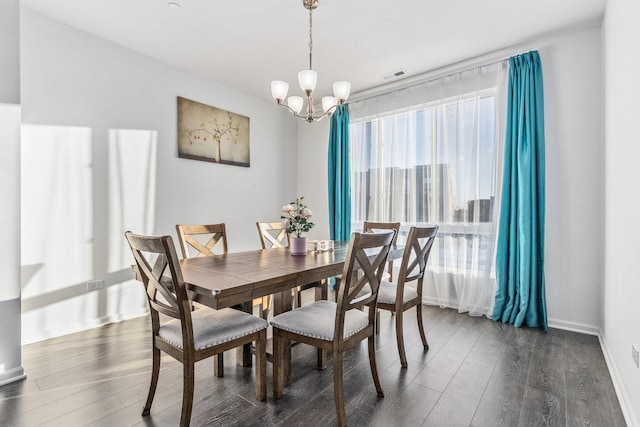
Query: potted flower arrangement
column 295, row 218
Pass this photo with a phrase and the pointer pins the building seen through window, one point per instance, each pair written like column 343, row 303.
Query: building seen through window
column 431, row 164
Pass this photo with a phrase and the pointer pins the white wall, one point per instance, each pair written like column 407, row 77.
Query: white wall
column 10, row 351
column 10, row 52
column 574, row 229
column 313, row 181
column 574, row 181
column 622, row 195
column 81, row 96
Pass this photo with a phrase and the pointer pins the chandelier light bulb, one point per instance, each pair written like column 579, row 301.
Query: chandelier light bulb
column 308, row 80
column 341, row 91
column 279, row 90
column 328, row 102
column 295, row 103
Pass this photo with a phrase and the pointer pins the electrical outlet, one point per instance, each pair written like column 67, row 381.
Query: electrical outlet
column 634, row 355
column 94, row 285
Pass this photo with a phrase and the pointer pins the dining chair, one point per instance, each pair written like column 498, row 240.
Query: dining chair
column 191, row 335
column 202, row 239
column 274, row 235
column 372, row 226
column 337, row 326
column 208, row 240
column 398, row 297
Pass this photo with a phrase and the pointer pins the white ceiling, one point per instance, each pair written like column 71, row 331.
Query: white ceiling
column 246, row 44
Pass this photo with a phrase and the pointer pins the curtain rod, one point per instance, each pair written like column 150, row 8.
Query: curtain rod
column 417, row 80
column 469, row 64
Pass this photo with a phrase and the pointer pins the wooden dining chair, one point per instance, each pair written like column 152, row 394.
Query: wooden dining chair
column 372, row 226
column 208, row 240
column 337, row 326
column 398, row 297
column 191, row 335
column 274, row 235
column 201, row 240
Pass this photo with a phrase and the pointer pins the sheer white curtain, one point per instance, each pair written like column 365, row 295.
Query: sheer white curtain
column 431, row 154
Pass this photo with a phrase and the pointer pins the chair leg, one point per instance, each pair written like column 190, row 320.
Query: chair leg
column 400, row 339
column 298, row 291
column 374, row 365
column 338, row 389
column 155, row 373
column 265, row 307
column 421, row 327
column 218, row 365
column 261, row 366
column 322, row 290
column 187, row 393
column 322, row 359
column 377, row 321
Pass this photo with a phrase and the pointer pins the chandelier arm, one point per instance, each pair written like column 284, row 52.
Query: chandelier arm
column 307, row 117
column 292, row 111
column 327, row 113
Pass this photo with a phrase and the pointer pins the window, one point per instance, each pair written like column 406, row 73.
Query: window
column 429, row 155
column 395, row 177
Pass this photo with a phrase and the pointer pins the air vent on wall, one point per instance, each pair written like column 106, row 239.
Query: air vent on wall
column 394, row 75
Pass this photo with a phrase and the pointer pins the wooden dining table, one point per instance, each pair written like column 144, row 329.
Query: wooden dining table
column 237, row 278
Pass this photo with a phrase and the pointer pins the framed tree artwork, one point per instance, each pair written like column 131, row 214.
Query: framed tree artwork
column 211, row 134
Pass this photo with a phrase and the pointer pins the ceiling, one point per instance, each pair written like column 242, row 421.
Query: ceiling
column 246, row 44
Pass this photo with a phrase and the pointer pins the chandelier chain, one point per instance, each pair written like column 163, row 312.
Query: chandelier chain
column 310, row 38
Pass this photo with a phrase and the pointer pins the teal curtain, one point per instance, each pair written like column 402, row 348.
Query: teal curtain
column 339, row 179
column 520, row 297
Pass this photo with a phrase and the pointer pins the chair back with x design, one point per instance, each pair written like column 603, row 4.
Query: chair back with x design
column 362, row 269
column 272, row 235
column 202, row 239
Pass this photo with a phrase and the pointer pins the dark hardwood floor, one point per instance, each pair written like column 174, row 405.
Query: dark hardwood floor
column 476, row 373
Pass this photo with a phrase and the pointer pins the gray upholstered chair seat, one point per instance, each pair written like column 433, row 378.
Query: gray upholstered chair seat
column 213, row 327
column 317, row 320
column 387, row 293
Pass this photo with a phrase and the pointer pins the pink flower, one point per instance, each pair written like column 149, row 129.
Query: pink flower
column 295, row 217
column 288, row 210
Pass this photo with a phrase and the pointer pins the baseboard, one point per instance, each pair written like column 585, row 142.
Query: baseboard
column 13, row 375
column 618, row 385
column 574, row 327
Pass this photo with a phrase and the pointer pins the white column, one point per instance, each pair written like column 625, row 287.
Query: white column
column 10, row 286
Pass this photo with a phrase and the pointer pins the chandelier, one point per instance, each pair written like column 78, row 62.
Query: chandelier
column 307, row 80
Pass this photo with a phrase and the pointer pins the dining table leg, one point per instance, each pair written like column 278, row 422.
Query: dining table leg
column 282, row 303
column 243, row 353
